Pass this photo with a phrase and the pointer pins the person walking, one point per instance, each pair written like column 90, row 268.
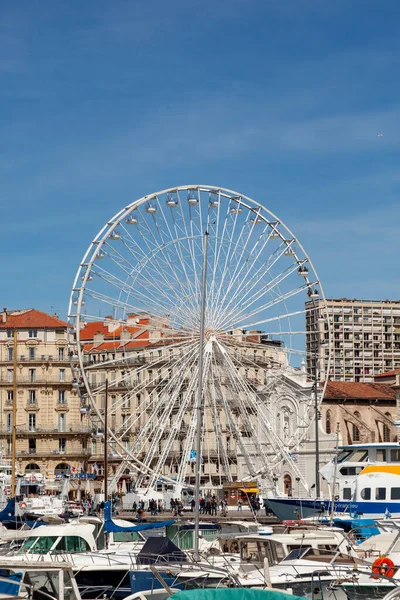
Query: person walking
column 239, row 505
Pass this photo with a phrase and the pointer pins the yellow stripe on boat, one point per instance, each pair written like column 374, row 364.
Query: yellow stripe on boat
column 390, row 469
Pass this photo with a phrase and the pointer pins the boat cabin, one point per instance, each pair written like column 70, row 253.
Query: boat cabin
column 352, row 459
column 84, row 535
column 276, row 547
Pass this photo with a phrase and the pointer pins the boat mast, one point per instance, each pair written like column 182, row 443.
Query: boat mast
column 105, row 444
column 199, row 404
column 14, row 418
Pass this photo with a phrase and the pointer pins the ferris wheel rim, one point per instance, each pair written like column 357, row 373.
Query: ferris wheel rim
column 116, row 220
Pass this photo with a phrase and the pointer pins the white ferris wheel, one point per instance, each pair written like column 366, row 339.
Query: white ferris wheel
column 141, row 277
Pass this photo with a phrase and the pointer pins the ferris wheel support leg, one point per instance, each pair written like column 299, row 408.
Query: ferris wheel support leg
column 199, row 407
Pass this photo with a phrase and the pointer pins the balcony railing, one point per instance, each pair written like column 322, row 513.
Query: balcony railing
column 30, row 431
column 38, row 358
column 28, row 380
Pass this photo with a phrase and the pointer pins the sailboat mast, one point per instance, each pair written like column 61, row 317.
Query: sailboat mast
column 14, row 418
column 105, row 444
column 199, row 407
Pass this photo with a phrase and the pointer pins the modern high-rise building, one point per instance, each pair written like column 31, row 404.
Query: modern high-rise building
column 364, row 340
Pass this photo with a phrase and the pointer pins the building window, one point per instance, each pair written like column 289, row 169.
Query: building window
column 9, row 333
column 10, row 396
column 32, row 421
column 386, row 428
column 9, row 421
column 62, row 469
column 356, row 431
column 94, row 447
column 32, row 396
column 328, row 422
column 10, row 353
column 61, row 353
column 33, row 333
column 32, row 353
column 61, row 375
column 32, row 468
column 62, row 422
column 62, row 445
column 32, row 375
column 10, row 375
column 32, row 446
column 61, row 397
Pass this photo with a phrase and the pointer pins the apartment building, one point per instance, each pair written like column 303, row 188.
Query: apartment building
column 364, row 340
column 141, row 361
column 52, row 434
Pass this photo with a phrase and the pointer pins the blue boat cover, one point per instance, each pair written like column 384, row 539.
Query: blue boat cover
column 233, row 594
column 9, row 511
column 111, row 527
column 10, row 582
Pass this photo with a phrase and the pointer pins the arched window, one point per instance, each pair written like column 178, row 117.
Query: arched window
column 386, row 428
column 287, row 485
column 32, row 468
column 328, row 422
column 62, row 469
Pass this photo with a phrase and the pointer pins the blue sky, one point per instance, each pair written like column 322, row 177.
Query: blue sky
column 282, row 100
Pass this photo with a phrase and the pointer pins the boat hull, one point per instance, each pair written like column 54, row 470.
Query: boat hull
column 299, row 508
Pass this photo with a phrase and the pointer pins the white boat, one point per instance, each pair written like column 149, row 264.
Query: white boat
column 353, row 462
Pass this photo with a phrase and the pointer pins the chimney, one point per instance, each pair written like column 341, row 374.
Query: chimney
column 4, row 315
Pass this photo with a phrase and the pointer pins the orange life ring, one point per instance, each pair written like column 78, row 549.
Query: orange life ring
column 383, row 566
column 22, row 505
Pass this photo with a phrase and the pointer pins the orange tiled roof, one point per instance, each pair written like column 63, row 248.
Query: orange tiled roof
column 337, row 390
column 90, row 330
column 388, row 373
column 30, row 317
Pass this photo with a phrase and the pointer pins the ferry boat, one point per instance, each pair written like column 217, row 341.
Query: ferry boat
column 357, row 466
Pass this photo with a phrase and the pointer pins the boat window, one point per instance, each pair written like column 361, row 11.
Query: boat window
column 359, row 456
column 366, row 494
column 347, row 494
column 395, row 493
column 342, row 456
column 380, row 494
column 72, row 543
column 41, row 545
column 297, row 553
column 395, row 455
column 126, row 536
column 69, row 591
column 380, row 456
column 47, row 582
column 279, row 551
column 350, row 470
column 26, row 545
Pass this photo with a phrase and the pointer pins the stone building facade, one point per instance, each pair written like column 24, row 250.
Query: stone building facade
column 52, row 435
column 366, row 412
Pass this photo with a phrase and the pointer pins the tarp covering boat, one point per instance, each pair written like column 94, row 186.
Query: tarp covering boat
column 159, row 549
column 9, row 511
column 111, row 527
column 233, row 594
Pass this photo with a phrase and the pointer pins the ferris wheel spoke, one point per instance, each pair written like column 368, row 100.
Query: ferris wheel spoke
column 123, row 263
column 242, row 318
column 238, row 279
column 242, row 295
column 241, row 299
column 151, row 273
